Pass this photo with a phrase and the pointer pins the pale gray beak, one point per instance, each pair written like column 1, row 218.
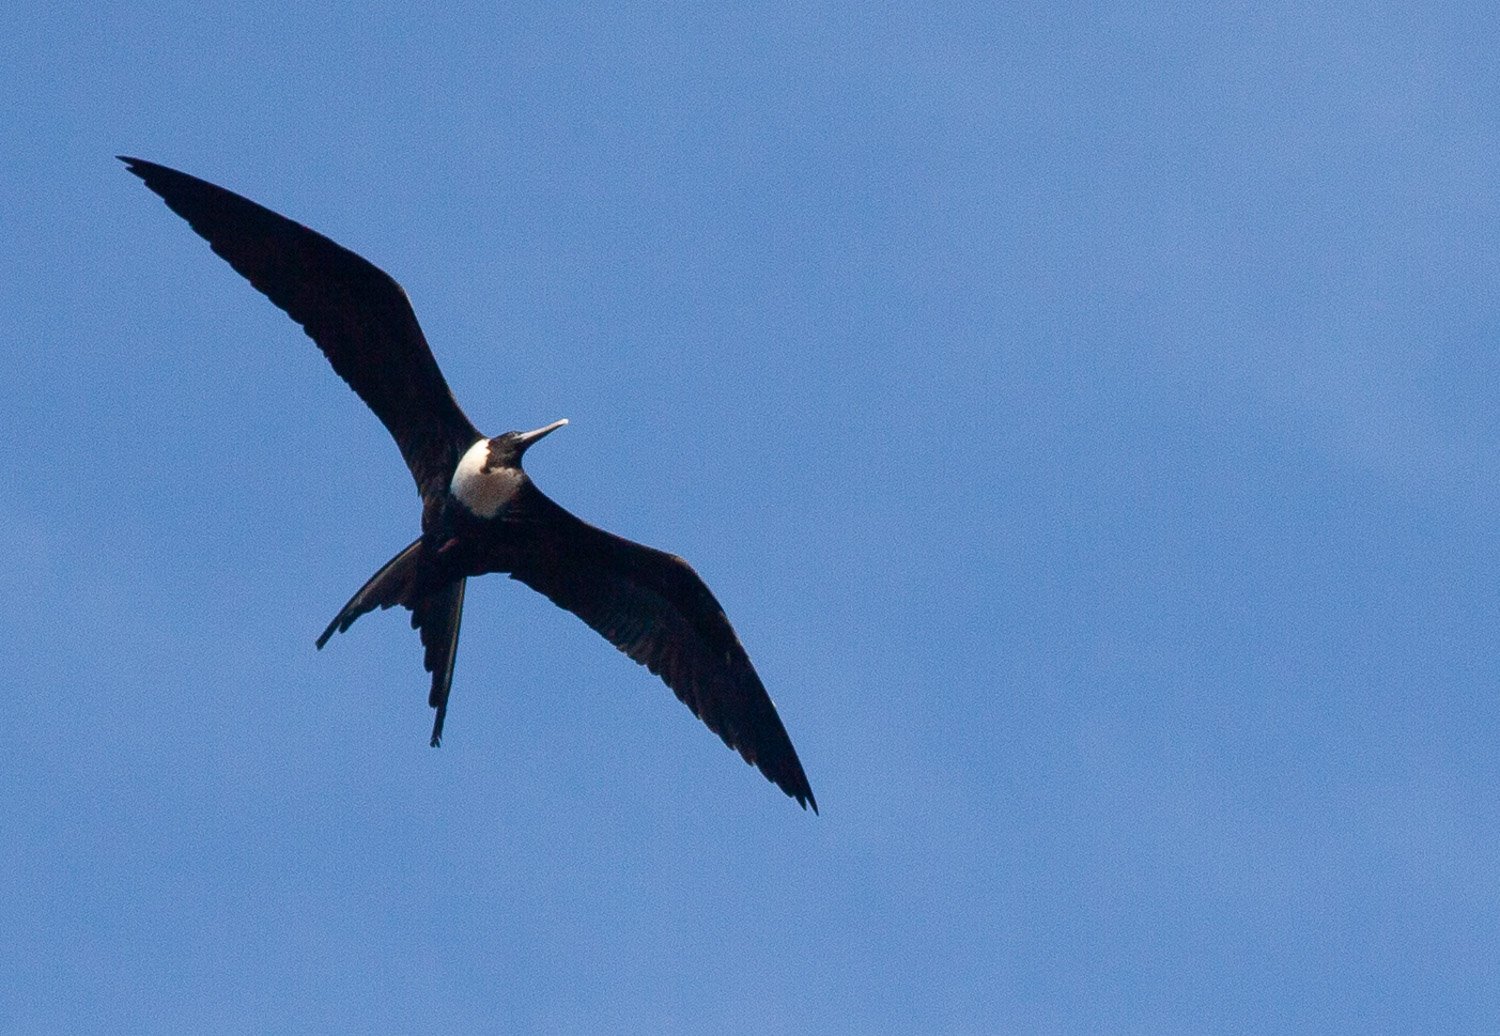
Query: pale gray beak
column 525, row 440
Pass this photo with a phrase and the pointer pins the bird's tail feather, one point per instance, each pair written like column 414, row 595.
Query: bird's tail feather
column 392, row 585
column 437, row 617
column 436, row 614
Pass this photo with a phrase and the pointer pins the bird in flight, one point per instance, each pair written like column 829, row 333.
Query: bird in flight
column 480, row 511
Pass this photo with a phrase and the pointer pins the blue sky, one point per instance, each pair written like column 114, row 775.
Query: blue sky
column 1087, row 416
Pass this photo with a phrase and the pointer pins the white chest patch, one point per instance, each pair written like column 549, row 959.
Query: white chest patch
column 484, row 493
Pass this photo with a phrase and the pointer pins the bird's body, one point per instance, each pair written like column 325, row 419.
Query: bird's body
column 481, row 513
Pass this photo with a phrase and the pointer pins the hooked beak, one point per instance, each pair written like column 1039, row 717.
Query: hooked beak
column 525, row 440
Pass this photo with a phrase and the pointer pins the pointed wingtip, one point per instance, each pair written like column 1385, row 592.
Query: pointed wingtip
column 795, row 786
column 804, row 797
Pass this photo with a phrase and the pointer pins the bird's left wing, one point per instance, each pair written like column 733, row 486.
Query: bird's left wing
column 356, row 313
column 654, row 607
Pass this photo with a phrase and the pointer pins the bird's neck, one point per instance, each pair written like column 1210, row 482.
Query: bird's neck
column 482, row 490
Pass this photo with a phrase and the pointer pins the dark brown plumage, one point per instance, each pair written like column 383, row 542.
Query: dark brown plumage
column 480, row 511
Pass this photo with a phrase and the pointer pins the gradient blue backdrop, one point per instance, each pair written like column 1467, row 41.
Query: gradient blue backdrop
column 1087, row 415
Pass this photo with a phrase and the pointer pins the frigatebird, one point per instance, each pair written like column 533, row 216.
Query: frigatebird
column 480, row 511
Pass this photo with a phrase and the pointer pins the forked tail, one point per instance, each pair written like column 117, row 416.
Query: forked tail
column 392, row 585
column 435, row 615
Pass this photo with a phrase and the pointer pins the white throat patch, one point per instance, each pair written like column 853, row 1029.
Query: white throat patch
column 482, row 492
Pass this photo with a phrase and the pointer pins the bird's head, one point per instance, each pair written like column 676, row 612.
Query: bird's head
column 506, row 450
column 489, row 474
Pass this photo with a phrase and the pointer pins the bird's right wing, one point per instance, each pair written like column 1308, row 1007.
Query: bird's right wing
column 654, row 607
column 356, row 313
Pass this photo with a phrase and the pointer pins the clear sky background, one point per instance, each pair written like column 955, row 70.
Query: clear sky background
column 1088, row 416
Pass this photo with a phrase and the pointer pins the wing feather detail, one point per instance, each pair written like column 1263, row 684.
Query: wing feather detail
column 652, row 606
column 356, row 313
